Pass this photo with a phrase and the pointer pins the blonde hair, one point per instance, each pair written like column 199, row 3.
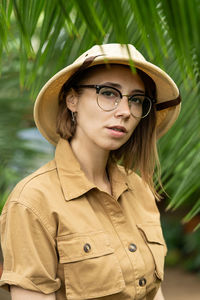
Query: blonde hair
column 139, row 153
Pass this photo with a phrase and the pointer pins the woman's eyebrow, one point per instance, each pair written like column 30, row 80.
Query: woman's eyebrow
column 113, row 84
column 118, row 86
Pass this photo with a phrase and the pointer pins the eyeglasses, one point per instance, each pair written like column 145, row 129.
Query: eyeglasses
column 108, row 98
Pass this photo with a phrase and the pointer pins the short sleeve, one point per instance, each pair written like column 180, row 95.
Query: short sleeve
column 29, row 252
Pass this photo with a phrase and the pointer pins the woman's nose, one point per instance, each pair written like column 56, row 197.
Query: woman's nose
column 123, row 109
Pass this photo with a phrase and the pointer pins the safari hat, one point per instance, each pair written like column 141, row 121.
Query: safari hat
column 168, row 96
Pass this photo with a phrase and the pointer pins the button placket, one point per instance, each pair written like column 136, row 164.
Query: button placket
column 118, row 220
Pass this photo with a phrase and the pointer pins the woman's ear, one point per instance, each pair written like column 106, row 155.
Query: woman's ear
column 72, row 100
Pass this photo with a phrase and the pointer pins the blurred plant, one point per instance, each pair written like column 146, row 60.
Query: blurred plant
column 191, row 251
column 18, row 157
column 171, row 230
column 183, row 245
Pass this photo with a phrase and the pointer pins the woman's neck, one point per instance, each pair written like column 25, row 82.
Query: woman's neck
column 93, row 161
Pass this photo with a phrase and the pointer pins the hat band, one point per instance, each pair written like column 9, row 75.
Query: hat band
column 87, row 62
column 167, row 104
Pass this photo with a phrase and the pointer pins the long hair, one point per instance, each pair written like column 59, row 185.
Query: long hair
column 139, row 153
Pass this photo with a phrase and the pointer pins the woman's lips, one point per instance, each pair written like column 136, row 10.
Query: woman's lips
column 117, row 131
column 118, row 128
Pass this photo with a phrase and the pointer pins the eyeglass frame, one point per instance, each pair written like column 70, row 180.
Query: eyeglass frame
column 99, row 87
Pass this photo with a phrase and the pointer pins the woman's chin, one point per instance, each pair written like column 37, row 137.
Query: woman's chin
column 112, row 147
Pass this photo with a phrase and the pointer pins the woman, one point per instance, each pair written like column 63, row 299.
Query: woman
column 82, row 227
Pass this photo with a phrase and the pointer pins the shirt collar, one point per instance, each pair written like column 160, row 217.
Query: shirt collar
column 118, row 179
column 73, row 181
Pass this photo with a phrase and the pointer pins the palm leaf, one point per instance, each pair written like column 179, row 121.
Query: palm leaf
column 49, row 35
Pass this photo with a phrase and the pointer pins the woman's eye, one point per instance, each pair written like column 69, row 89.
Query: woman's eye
column 108, row 93
column 137, row 100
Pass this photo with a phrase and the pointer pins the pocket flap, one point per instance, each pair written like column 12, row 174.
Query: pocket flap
column 152, row 233
column 71, row 247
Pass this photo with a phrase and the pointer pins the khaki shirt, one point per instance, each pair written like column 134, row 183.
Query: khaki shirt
column 61, row 234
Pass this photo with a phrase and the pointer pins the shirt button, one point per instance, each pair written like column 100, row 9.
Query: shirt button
column 132, row 247
column 87, row 248
column 142, row 282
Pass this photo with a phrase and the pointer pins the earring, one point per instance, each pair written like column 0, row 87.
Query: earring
column 73, row 117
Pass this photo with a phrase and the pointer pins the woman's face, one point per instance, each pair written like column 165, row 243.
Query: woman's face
column 100, row 128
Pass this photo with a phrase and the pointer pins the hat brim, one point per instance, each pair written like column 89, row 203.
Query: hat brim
column 46, row 105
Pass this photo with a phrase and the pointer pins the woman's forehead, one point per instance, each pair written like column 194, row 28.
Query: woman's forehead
column 108, row 72
column 107, row 68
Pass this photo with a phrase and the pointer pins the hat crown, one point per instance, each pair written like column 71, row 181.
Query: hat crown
column 118, row 51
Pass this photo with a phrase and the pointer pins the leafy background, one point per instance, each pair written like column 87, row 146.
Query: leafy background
column 39, row 37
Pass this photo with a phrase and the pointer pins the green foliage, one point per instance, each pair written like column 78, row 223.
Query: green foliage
column 40, row 37
column 191, row 251
column 184, row 250
column 18, row 157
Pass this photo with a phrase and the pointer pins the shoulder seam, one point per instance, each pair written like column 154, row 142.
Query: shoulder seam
column 42, row 220
column 36, row 175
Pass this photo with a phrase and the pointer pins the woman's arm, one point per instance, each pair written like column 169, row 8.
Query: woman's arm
column 159, row 295
column 18, row 293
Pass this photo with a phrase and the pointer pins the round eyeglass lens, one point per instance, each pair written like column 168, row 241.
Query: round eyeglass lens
column 140, row 105
column 108, row 98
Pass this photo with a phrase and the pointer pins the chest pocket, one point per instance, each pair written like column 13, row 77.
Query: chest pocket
column 91, row 268
column 153, row 237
